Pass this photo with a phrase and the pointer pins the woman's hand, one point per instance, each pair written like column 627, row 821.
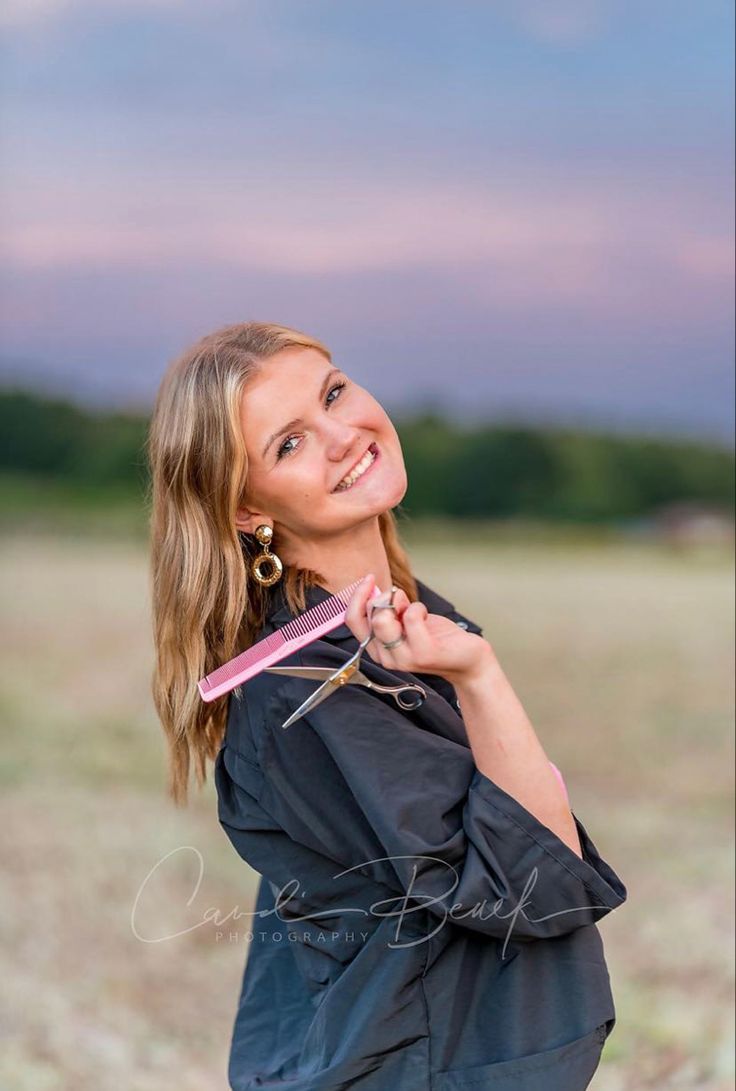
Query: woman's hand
column 432, row 644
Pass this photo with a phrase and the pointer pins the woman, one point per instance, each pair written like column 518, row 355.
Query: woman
column 426, row 911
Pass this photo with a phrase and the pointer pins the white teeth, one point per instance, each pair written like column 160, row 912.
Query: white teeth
column 360, row 469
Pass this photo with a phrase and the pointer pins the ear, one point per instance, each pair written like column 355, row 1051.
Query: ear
column 247, row 520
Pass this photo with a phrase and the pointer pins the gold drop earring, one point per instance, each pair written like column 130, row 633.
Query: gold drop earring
column 264, row 534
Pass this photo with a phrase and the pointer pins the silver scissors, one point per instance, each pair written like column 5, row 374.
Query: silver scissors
column 350, row 674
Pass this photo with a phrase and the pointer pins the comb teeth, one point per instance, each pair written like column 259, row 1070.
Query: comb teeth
column 322, row 612
column 294, row 635
column 246, row 659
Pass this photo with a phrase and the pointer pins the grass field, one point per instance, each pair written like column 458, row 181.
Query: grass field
column 622, row 654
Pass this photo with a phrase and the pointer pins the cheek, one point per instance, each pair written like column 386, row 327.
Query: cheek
column 270, row 491
column 306, row 481
column 385, row 420
column 387, row 430
column 374, row 416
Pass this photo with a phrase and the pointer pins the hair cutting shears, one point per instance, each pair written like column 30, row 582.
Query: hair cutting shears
column 350, row 674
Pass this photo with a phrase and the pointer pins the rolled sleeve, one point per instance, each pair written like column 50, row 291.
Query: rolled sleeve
column 561, row 891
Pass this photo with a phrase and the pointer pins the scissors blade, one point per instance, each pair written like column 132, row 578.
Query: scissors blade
column 316, row 673
column 312, row 701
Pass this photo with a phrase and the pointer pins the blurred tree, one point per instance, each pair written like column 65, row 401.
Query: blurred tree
column 494, row 471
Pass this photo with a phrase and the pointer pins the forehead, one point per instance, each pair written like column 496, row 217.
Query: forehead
column 282, row 390
column 281, row 380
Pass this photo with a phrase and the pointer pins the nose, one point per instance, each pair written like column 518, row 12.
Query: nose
column 343, row 442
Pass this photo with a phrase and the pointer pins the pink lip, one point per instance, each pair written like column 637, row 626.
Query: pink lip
column 365, row 474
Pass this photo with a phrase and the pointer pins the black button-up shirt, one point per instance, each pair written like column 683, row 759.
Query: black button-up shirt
column 416, row 928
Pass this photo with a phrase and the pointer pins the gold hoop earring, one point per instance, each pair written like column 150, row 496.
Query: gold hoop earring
column 264, row 534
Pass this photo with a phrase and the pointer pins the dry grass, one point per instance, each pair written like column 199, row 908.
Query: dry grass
column 622, row 655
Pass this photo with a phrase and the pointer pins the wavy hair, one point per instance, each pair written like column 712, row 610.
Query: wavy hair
column 206, row 605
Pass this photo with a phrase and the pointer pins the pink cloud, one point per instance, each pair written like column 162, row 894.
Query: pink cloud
column 609, row 246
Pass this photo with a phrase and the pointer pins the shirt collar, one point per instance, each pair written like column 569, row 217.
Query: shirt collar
column 279, row 614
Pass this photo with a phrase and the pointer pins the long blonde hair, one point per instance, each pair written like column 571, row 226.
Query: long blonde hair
column 206, row 605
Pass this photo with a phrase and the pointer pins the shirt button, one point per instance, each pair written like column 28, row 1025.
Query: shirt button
column 462, row 624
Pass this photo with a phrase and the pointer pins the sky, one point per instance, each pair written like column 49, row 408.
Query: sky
column 503, row 210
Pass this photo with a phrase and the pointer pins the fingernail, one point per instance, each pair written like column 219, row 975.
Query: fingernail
column 367, row 579
column 376, row 592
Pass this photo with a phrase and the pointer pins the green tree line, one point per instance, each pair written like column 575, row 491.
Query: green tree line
column 493, row 470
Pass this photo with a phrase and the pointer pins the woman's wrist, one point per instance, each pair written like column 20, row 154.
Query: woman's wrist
column 476, row 677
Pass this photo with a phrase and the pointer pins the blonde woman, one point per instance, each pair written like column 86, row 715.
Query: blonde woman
column 425, row 917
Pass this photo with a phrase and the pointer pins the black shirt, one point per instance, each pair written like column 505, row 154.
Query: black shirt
column 421, row 930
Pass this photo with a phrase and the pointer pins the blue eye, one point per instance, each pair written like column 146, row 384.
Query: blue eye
column 283, row 451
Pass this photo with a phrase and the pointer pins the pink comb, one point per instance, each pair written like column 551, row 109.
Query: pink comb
column 296, row 634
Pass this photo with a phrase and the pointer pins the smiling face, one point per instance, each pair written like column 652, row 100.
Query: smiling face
column 306, row 425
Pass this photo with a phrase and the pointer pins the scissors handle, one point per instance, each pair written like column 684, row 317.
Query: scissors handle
column 414, row 700
column 416, row 694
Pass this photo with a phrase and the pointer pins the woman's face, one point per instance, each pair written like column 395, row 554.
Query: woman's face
column 305, row 426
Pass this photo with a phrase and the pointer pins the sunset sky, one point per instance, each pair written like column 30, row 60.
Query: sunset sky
column 504, row 210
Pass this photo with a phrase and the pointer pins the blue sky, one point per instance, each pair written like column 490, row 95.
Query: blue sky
column 519, row 209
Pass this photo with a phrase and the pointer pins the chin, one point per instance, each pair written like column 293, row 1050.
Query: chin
column 394, row 492
column 400, row 491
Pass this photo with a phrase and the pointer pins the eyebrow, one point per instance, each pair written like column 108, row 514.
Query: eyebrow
column 298, row 420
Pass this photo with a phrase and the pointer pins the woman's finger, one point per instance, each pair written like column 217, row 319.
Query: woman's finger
column 407, row 619
column 401, row 601
column 414, row 621
column 356, row 615
column 412, row 636
column 385, row 622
